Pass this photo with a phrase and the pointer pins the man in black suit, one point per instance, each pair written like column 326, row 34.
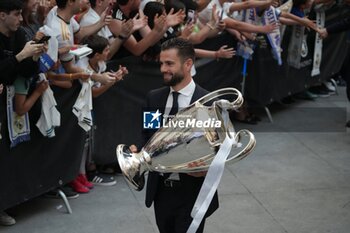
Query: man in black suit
column 174, row 194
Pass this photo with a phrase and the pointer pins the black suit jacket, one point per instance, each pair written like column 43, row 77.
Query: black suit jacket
column 339, row 26
column 156, row 99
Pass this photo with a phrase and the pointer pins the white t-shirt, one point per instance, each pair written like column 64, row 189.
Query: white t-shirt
column 84, row 64
column 205, row 15
column 238, row 15
column 90, row 18
column 66, row 30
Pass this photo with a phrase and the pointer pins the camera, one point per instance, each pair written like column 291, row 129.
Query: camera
column 191, row 17
column 43, row 40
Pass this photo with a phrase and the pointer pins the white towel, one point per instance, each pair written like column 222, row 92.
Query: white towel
column 50, row 117
column 83, row 106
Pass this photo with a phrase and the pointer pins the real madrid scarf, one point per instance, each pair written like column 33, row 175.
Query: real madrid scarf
column 295, row 44
column 245, row 49
column 270, row 17
column 18, row 126
column 320, row 21
column 286, row 7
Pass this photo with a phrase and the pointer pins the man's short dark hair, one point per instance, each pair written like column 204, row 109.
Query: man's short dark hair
column 298, row 3
column 174, row 4
column 151, row 9
column 92, row 3
column 62, row 3
column 184, row 48
column 10, row 5
column 96, row 43
column 122, row 2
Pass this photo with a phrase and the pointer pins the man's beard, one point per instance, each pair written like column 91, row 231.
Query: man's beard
column 175, row 79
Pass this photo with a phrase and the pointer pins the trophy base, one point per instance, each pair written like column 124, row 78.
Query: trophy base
column 130, row 166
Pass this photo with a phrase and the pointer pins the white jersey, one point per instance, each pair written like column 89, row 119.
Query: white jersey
column 66, row 30
column 205, row 15
column 90, row 18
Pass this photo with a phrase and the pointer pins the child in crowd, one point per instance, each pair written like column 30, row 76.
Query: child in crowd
column 96, row 63
column 23, row 101
column 20, row 101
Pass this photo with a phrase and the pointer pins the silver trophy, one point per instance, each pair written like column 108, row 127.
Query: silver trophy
column 193, row 135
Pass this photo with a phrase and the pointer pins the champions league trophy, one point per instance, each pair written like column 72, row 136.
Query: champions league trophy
column 195, row 134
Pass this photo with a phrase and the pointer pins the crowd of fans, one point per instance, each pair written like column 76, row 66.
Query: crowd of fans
column 44, row 43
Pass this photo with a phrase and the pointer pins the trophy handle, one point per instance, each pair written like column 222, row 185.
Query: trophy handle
column 131, row 164
column 224, row 91
column 247, row 149
column 241, row 154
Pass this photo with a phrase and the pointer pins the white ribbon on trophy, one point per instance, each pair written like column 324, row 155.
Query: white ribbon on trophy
column 212, row 179
column 295, row 44
column 271, row 17
column 320, row 21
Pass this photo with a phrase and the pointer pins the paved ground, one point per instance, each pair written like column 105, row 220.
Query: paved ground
column 296, row 181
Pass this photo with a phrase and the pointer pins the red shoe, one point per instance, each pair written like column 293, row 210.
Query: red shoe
column 84, row 181
column 78, row 187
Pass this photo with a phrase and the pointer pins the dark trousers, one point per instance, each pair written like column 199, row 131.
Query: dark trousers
column 173, row 211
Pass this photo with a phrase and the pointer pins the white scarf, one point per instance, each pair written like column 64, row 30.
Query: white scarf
column 271, row 17
column 213, row 177
column 295, row 46
column 286, row 7
column 245, row 49
column 320, row 21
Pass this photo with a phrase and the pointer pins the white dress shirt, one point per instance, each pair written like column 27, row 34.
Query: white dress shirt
column 184, row 98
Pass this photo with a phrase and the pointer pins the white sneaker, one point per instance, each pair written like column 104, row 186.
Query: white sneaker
column 6, row 220
column 329, row 85
column 101, row 179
